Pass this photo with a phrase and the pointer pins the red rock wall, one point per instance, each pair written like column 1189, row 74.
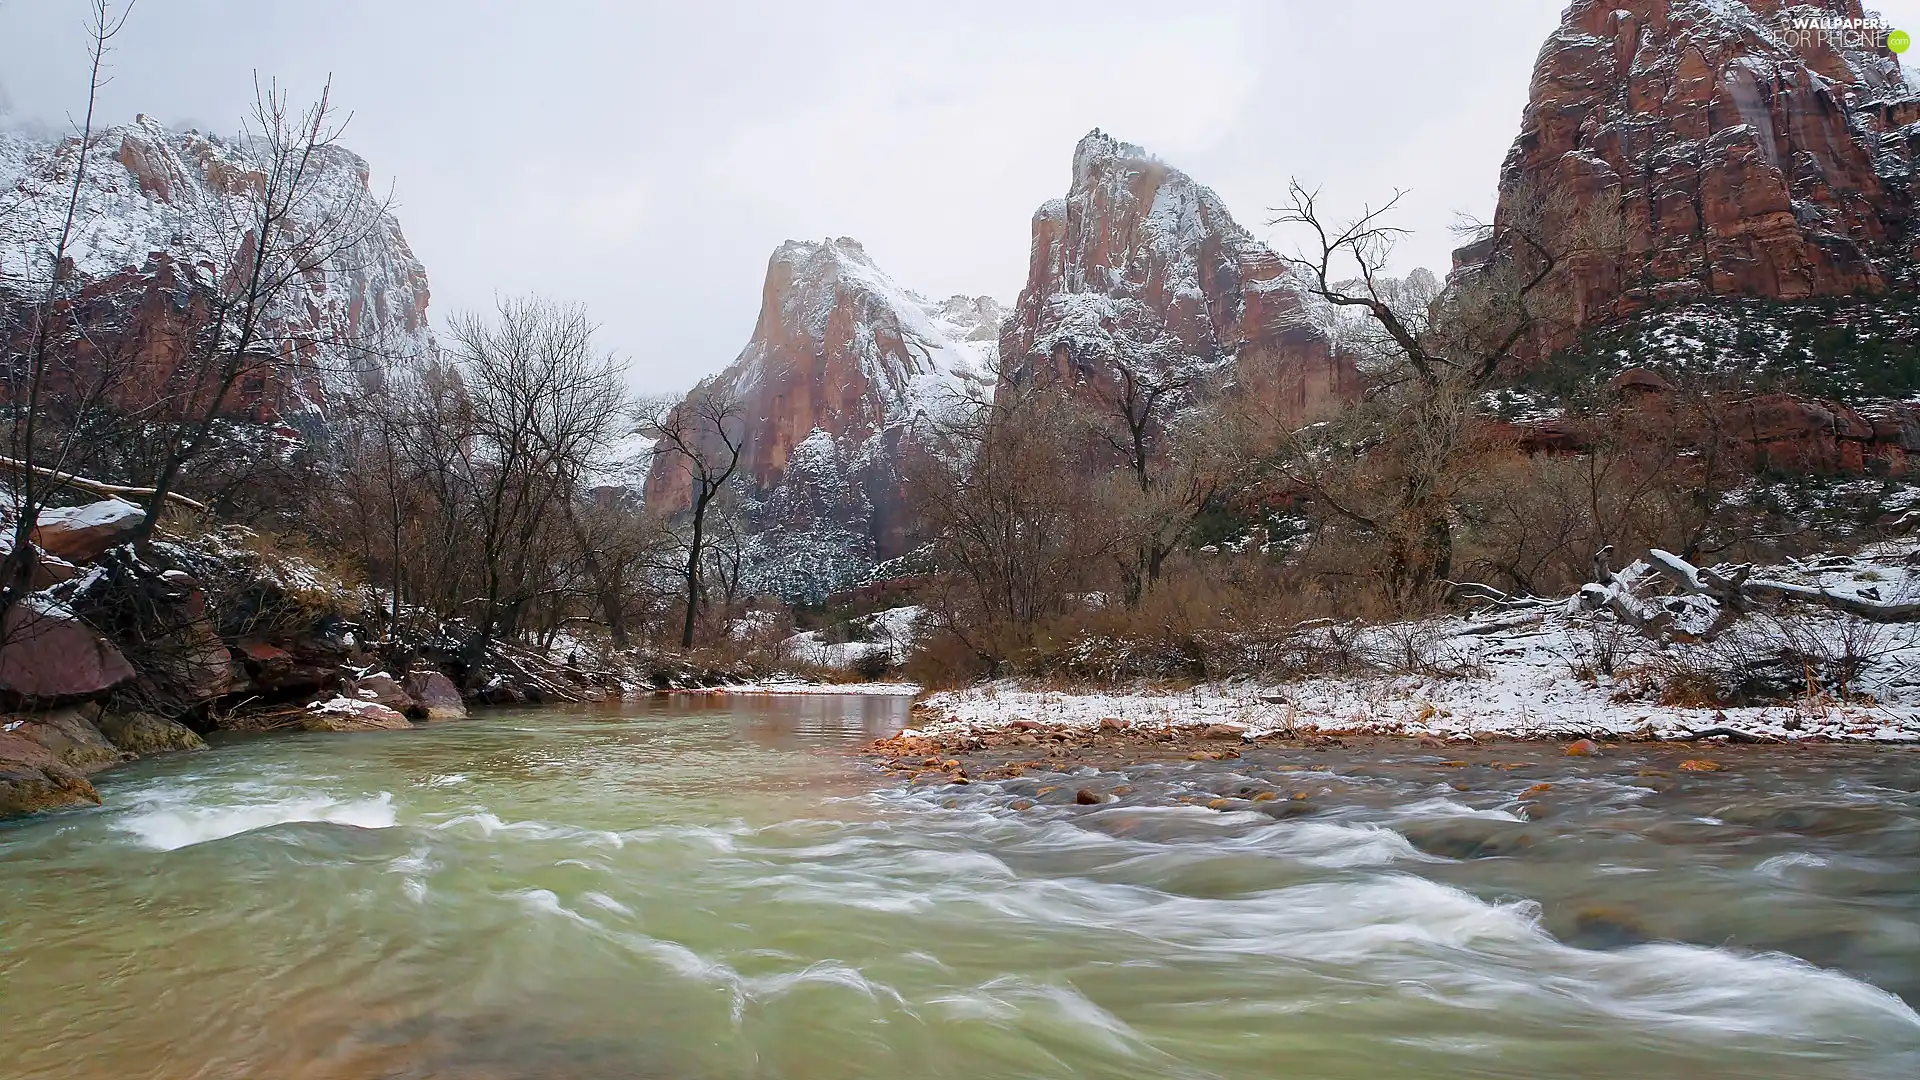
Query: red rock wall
column 1134, row 234
column 836, row 348
column 1745, row 160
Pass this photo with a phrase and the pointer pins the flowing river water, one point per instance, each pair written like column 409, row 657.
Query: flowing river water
column 719, row 889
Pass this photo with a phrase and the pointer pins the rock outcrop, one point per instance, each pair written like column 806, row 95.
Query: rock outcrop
column 81, row 533
column 143, row 733
column 1139, row 257
column 844, row 367
column 163, row 223
column 33, row 779
column 1747, row 154
column 49, row 654
column 1790, row 433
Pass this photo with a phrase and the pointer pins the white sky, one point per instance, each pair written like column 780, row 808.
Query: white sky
column 646, row 158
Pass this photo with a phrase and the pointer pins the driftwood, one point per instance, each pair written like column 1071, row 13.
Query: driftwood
column 1514, row 623
column 1475, row 590
column 1737, row 590
column 96, row 487
column 1617, row 597
column 1871, row 610
column 1727, row 733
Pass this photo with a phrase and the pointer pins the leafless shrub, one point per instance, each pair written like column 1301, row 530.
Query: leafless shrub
column 1769, row 658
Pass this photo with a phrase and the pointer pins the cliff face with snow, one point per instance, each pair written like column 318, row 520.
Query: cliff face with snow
column 1139, row 260
column 1749, row 154
column 844, row 367
column 164, row 222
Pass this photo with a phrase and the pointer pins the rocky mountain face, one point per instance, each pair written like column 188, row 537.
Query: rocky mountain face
column 1748, row 153
column 1140, row 260
column 164, row 220
column 843, row 368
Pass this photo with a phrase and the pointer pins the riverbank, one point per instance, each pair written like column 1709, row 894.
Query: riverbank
column 1003, row 729
column 1824, row 649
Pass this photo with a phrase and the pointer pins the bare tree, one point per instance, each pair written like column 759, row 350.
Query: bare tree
column 701, row 439
column 543, row 406
column 1396, row 465
column 39, row 459
column 288, row 233
column 1019, row 531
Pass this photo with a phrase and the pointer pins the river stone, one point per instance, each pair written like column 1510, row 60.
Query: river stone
column 32, row 780
column 72, row 739
column 1606, row 928
column 381, row 689
column 436, row 694
column 346, row 714
column 1468, row 838
column 144, row 733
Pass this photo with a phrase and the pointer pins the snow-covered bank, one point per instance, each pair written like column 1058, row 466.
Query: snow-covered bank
column 1553, row 670
column 1517, row 704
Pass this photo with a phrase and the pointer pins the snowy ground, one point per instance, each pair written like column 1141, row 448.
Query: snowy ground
column 1533, row 674
column 886, row 637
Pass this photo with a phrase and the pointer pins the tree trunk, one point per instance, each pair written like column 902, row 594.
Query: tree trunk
column 693, row 568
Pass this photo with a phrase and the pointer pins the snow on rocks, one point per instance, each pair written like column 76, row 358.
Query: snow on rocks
column 351, row 714
column 1136, row 241
column 82, row 533
column 157, row 205
column 845, row 370
column 775, row 686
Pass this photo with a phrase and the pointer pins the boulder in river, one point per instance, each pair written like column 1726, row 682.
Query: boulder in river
column 32, row 779
column 144, row 733
column 1605, row 928
column 436, row 694
column 1468, row 838
column 71, row 738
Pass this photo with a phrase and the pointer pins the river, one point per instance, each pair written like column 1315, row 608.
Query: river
column 718, row 889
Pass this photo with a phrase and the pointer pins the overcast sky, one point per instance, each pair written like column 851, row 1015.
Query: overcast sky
column 646, row 158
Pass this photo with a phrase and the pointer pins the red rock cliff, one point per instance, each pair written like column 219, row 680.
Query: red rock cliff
column 1748, row 153
column 843, row 365
column 163, row 219
column 1137, row 241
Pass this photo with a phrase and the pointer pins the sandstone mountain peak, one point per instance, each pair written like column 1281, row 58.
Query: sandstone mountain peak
column 1137, row 246
column 1749, row 153
column 160, row 215
column 844, row 367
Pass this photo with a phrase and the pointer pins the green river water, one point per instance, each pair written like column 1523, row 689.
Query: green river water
column 718, row 889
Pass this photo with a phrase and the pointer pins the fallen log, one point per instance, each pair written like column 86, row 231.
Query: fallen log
column 1514, row 623
column 96, row 487
column 1735, row 589
column 1871, row 610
